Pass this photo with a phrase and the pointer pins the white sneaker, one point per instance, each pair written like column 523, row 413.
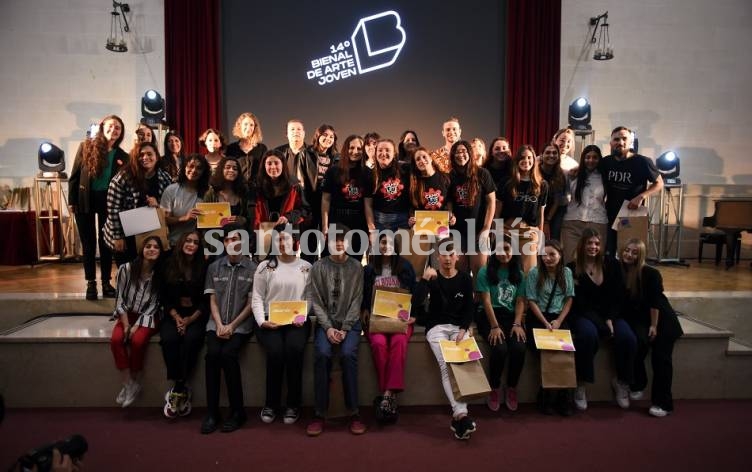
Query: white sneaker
column 121, row 395
column 580, row 398
column 638, row 395
column 658, row 412
column 621, row 393
column 131, row 393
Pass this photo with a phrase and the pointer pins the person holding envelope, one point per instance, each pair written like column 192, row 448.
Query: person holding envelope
column 228, row 185
column 501, row 285
column 281, row 277
column 428, row 187
column 179, row 199
column 449, row 316
column 387, row 269
column 335, row 292
column 549, row 289
column 139, row 183
column 472, row 203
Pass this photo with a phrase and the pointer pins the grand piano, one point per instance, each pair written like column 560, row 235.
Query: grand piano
column 732, row 216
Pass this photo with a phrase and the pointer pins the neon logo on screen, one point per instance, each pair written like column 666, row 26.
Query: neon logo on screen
column 365, row 52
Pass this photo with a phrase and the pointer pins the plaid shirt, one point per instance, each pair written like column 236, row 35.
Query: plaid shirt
column 121, row 196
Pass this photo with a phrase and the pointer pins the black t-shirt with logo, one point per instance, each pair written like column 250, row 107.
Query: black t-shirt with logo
column 392, row 194
column 525, row 204
column 625, row 179
column 434, row 196
column 346, row 204
column 459, row 191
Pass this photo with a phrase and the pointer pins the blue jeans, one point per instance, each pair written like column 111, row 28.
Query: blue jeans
column 322, row 368
column 586, row 341
column 390, row 221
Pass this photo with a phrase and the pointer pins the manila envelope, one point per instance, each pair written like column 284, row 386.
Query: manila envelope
column 288, row 312
column 213, row 215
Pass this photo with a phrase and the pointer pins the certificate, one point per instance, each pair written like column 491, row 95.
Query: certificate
column 392, row 304
column 285, row 313
column 556, row 340
column 213, row 215
column 467, row 350
column 432, row 222
column 139, row 220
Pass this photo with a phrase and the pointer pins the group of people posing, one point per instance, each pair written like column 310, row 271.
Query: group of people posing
column 372, row 184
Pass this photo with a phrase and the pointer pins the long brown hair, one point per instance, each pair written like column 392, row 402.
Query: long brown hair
column 558, row 273
column 579, row 258
column 97, row 148
column 514, row 172
column 558, row 180
column 133, row 171
column 377, row 170
column 417, row 182
column 344, row 159
column 470, row 170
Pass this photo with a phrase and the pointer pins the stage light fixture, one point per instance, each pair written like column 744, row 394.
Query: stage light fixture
column 668, row 166
column 635, row 142
column 579, row 114
column 92, row 131
column 152, row 108
column 51, row 158
column 603, row 50
column 118, row 28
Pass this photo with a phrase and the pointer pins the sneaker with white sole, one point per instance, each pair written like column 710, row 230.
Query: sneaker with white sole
column 185, row 407
column 580, row 398
column 291, row 416
column 621, row 393
column 120, row 398
column 463, row 428
column 637, row 395
column 131, row 393
column 658, row 412
column 268, row 415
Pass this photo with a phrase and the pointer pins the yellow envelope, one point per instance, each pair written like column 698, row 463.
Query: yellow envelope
column 213, row 215
column 432, row 222
column 285, row 313
column 392, row 304
column 556, row 340
column 467, row 350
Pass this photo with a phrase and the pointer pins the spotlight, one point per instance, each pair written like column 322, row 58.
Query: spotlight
column 152, row 108
column 579, row 114
column 91, row 133
column 668, row 165
column 51, row 158
column 635, row 142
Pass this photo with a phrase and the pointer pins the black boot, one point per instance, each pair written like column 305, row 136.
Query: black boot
column 108, row 291
column 91, row 290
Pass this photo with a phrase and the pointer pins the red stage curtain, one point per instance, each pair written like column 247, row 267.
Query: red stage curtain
column 192, row 66
column 533, row 34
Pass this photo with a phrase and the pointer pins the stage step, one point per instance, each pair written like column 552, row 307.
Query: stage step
column 66, row 361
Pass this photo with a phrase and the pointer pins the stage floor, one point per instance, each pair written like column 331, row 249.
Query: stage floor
column 67, row 278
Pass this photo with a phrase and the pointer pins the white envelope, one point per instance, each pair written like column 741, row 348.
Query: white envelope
column 139, row 220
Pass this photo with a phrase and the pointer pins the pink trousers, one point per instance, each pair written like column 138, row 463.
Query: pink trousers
column 389, row 356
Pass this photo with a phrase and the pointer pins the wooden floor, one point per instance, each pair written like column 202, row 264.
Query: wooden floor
column 67, row 277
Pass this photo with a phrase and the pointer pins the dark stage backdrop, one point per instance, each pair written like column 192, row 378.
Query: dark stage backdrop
column 451, row 64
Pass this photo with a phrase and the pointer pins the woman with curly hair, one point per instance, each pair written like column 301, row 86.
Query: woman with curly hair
column 98, row 159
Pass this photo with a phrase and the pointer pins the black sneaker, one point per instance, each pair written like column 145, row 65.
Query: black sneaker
column 291, row 416
column 91, row 290
column 108, row 291
column 463, row 428
column 234, row 422
column 210, row 424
